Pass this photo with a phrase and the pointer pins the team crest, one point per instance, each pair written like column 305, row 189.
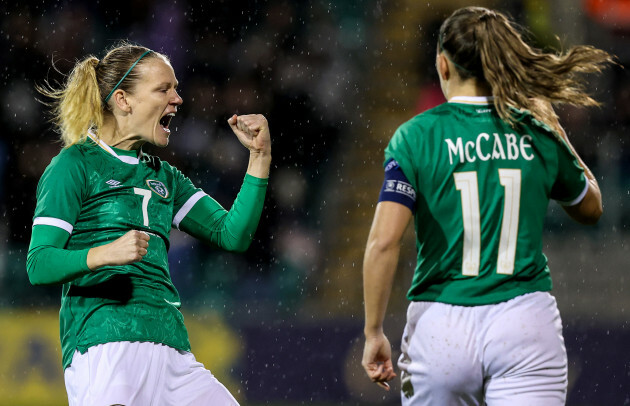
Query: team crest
column 158, row 187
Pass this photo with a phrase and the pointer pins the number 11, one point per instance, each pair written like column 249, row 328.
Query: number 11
column 466, row 183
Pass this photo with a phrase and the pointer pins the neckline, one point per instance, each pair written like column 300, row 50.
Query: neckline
column 129, row 157
column 472, row 99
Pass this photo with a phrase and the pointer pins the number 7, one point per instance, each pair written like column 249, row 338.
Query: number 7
column 146, row 195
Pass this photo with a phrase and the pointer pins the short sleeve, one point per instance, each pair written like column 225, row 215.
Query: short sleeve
column 61, row 191
column 398, row 150
column 571, row 184
column 186, row 196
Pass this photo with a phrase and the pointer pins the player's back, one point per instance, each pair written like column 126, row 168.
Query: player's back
column 482, row 188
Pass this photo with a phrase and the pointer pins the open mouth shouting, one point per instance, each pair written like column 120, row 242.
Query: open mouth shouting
column 165, row 121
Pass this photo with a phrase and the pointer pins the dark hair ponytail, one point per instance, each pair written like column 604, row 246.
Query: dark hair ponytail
column 485, row 45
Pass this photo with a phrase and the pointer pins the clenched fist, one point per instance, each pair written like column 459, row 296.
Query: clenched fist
column 252, row 130
column 129, row 248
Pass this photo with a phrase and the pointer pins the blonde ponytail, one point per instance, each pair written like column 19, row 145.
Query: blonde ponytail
column 77, row 107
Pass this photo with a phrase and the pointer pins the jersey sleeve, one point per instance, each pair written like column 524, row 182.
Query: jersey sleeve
column 398, row 150
column 47, row 262
column 60, row 193
column 571, row 184
column 185, row 198
column 231, row 230
column 61, row 190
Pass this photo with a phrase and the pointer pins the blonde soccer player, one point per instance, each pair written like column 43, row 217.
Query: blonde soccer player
column 101, row 230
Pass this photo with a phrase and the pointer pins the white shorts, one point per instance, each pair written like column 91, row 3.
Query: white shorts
column 510, row 353
column 141, row 374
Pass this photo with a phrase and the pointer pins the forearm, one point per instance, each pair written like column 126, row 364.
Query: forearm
column 259, row 164
column 379, row 269
column 48, row 263
column 231, row 230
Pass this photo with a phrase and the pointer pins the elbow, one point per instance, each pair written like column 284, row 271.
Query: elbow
column 37, row 275
column 237, row 241
column 592, row 217
column 589, row 210
column 34, row 278
column 237, row 245
column 238, row 249
column 35, row 282
column 382, row 245
column 587, row 216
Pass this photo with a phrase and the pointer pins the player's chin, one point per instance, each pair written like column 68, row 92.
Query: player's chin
column 161, row 137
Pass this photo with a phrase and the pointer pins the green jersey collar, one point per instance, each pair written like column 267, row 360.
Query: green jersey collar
column 133, row 160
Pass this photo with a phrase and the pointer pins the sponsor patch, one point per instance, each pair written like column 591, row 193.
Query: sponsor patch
column 158, row 187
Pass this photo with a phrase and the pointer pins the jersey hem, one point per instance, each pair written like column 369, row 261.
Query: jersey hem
column 577, row 200
column 472, row 301
column 84, row 348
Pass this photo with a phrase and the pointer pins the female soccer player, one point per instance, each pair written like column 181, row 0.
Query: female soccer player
column 477, row 174
column 101, row 228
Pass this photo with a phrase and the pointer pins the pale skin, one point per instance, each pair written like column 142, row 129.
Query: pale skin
column 135, row 120
column 389, row 224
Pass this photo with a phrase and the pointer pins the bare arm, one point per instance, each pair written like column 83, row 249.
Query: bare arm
column 379, row 267
column 589, row 209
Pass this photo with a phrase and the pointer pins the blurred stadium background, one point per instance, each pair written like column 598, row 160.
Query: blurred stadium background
column 282, row 324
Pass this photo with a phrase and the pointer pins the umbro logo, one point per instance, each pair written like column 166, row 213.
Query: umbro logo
column 113, row 183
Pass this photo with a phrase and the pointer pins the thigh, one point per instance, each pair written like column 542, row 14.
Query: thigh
column 122, row 373
column 440, row 363
column 525, row 361
column 189, row 383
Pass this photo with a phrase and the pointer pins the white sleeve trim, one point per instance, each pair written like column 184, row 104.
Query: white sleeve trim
column 186, row 208
column 577, row 199
column 51, row 221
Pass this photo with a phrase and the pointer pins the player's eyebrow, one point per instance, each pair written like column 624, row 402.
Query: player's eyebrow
column 167, row 84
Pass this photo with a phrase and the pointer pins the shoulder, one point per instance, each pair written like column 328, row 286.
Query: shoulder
column 68, row 169
column 169, row 172
column 69, row 158
column 425, row 120
column 526, row 118
column 164, row 166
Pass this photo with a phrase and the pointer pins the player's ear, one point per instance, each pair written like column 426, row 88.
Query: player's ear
column 121, row 101
column 442, row 66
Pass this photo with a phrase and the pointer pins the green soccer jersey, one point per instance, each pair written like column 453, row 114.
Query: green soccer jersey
column 482, row 191
column 97, row 194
